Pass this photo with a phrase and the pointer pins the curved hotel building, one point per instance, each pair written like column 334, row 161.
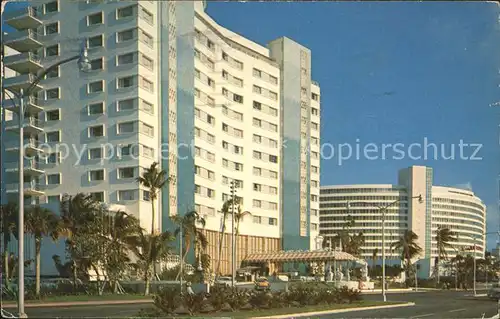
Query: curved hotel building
column 458, row 209
column 167, row 84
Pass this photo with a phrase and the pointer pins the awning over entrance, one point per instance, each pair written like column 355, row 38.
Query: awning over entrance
column 302, row 256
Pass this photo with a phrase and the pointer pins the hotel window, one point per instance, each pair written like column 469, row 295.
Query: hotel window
column 147, row 62
column 126, row 35
column 127, row 127
column 51, row 137
column 97, row 196
column 257, row 187
column 257, row 155
column 146, row 38
column 126, row 105
column 257, row 73
column 314, row 226
column 125, row 12
column 257, row 219
column 257, row 122
column 273, row 79
column 54, row 158
column 126, row 150
column 96, row 18
column 315, row 96
column 96, row 131
column 256, row 203
column 51, row 7
column 314, row 111
column 95, row 87
column 52, row 94
column 238, row 166
column 273, row 95
column 273, row 221
column 257, row 105
column 96, row 41
column 53, row 115
column 52, row 50
column 257, row 89
column 314, row 126
column 96, row 108
column 237, row 98
column 97, row 175
column 126, row 172
column 147, row 85
column 147, row 107
column 54, row 179
column 126, row 58
column 95, row 153
column 96, row 64
column 146, row 196
column 257, row 171
column 126, row 82
column 147, row 129
column 273, row 158
column 54, row 73
column 52, row 28
column 147, row 16
column 126, row 195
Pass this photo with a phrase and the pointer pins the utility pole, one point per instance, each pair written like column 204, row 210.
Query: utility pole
column 233, row 248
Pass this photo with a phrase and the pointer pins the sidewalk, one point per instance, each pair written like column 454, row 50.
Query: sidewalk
column 328, row 312
column 78, row 303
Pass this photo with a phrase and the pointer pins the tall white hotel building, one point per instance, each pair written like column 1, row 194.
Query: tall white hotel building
column 167, row 84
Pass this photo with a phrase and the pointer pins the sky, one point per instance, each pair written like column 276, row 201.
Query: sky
column 396, row 72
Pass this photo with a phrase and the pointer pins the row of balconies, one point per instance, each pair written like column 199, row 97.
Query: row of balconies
column 32, row 167
column 32, row 126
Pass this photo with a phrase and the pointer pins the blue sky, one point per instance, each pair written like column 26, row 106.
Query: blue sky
column 396, row 72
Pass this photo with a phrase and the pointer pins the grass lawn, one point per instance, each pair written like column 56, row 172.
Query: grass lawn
column 284, row 311
column 77, row 298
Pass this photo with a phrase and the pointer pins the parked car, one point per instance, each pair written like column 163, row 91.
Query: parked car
column 224, row 281
column 262, row 284
column 494, row 292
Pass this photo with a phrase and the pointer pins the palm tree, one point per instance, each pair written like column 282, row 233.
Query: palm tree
column 409, row 247
column 8, row 213
column 238, row 217
column 40, row 222
column 154, row 180
column 149, row 248
column 226, row 209
column 444, row 237
column 191, row 233
column 118, row 226
column 78, row 218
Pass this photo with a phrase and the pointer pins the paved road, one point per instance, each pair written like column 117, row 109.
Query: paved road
column 428, row 305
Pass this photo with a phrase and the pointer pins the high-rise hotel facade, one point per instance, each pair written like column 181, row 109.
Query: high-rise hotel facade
column 167, row 84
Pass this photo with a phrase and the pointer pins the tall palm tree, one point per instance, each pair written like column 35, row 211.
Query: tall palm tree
column 40, row 222
column 190, row 233
column 154, row 179
column 8, row 214
column 444, row 238
column 149, row 248
column 226, row 210
column 409, row 247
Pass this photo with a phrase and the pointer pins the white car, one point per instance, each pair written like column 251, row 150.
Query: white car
column 224, row 281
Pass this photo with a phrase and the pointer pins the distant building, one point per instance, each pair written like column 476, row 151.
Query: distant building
column 458, row 209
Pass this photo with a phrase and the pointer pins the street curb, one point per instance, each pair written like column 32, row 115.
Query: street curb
column 80, row 303
column 328, row 312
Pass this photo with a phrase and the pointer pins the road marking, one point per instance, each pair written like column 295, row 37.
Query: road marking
column 456, row 310
column 422, row 316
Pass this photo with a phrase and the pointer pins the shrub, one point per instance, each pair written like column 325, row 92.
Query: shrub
column 349, row 295
column 237, row 299
column 168, row 299
column 194, row 303
column 260, row 299
column 218, row 297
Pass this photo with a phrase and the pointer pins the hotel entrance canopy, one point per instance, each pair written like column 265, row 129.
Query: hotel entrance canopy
column 302, row 256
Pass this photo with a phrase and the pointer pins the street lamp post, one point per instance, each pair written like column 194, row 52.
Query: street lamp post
column 383, row 210
column 84, row 65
